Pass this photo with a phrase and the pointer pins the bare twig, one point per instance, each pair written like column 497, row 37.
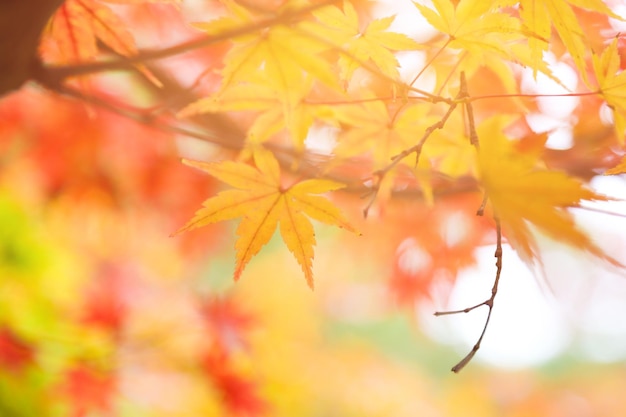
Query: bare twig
column 381, row 173
column 483, row 204
column 417, row 149
column 489, row 302
column 473, row 136
column 430, row 61
column 471, row 122
column 452, row 71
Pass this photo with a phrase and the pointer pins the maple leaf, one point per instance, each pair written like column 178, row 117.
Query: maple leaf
column 76, row 28
column 472, row 25
column 523, row 194
column 382, row 133
column 612, row 84
column 263, row 202
column 284, row 53
column 377, row 130
column 451, row 151
column 540, row 16
column 375, row 42
column 276, row 110
column 486, row 35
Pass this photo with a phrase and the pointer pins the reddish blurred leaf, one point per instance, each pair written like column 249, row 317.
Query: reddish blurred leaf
column 240, row 395
column 88, row 391
column 105, row 305
column 434, row 244
column 15, row 353
column 228, row 321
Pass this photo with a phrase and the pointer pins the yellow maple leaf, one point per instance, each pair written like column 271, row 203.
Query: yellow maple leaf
column 486, row 35
column 612, row 84
column 524, row 194
column 451, row 151
column 276, row 114
column 540, row 15
column 473, row 25
column 381, row 134
column 375, row 42
column 263, row 203
column 376, row 130
column 281, row 51
column 617, row 169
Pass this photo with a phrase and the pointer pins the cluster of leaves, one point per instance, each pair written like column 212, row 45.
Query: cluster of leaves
column 388, row 123
column 308, row 106
column 337, row 69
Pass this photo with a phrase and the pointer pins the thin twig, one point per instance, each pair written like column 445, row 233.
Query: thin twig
column 471, row 122
column 430, row 61
column 473, row 136
column 472, row 133
column 454, row 68
column 381, row 173
column 489, row 302
column 483, row 205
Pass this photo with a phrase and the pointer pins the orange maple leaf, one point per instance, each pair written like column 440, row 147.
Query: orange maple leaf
column 262, row 202
column 524, row 194
column 77, row 26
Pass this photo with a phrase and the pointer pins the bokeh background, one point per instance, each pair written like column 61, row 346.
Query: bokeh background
column 103, row 314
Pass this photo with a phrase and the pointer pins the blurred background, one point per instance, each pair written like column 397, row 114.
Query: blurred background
column 103, row 314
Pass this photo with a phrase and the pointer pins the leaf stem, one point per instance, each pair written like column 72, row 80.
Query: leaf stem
column 430, row 61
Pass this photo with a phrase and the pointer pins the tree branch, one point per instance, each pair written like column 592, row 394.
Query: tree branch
column 21, row 24
column 58, row 74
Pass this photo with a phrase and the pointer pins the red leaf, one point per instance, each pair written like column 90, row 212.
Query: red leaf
column 15, row 353
column 88, row 390
column 239, row 394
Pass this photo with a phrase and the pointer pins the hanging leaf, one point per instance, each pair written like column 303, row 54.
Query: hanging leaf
column 263, row 202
